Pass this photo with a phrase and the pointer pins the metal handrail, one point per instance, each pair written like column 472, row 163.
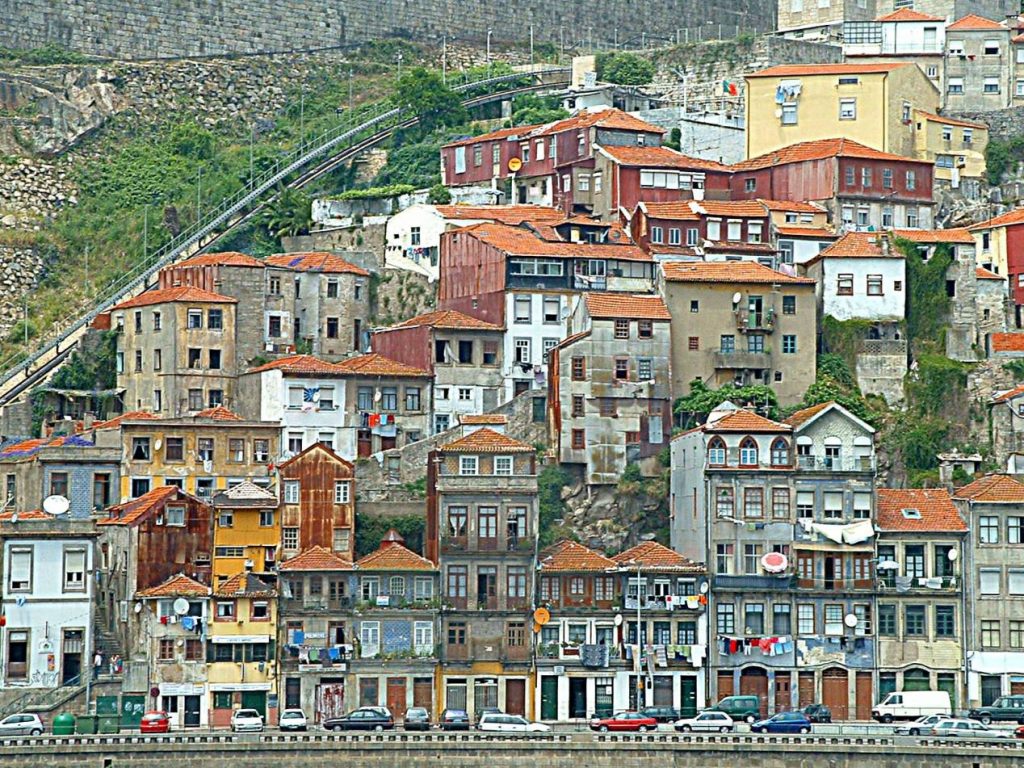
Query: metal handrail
column 381, row 115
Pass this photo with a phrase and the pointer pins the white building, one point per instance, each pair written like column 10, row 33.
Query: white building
column 861, row 276
column 906, row 33
column 48, row 600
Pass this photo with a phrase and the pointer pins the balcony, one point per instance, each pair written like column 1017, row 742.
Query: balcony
column 889, row 582
column 753, row 582
column 652, row 603
column 735, row 359
column 753, row 320
column 315, row 605
column 487, row 484
column 452, row 544
column 833, row 464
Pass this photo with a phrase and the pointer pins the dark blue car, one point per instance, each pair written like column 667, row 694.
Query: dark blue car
column 783, row 722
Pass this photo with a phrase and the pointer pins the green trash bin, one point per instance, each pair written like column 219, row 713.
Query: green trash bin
column 109, row 723
column 64, row 724
column 86, row 724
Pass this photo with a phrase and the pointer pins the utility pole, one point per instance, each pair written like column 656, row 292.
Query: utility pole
column 145, row 231
column 444, row 59
column 302, row 115
column 199, row 196
column 531, row 45
column 252, row 140
column 350, row 73
column 489, row 33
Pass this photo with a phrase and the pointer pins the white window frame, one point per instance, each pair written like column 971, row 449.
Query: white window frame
column 342, row 490
column 292, row 491
column 469, row 466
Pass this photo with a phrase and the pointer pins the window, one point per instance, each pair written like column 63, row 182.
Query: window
column 622, row 329
column 522, row 350
column 195, row 319
column 341, row 491
column 644, row 329
column 657, row 235
column 204, row 447
column 522, row 306
column 274, row 327
column 968, row 135
column 990, row 85
column 138, row 360
column 579, row 439
column 579, row 368
column 140, row 486
column 1015, row 581
column 748, row 452
column 844, row 286
column 990, row 634
column 468, row 465
column 1014, row 528
column 621, row 368
column 693, row 343
column 389, row 398
column 955, row 85
column 887, row 620
column 911, row 180
column 74, row 570
column 332, row 327
column 753, row 502
column 780, row 503
column 412, row 398
column 752, row 558
column 724, row 558
column 945, row 624
column 991, row 48
column 260, row 611
column 577, row 406
column 1016, row 634
column 874, row 285
column 789, row 344
column 644, row 369
column 887, row 178
column 865, row 176
column 290, row 538
column 714, row 229
column 989, row 581
column 727, row 344
column 215, row 319
column 753, row 618
column 291, row 491
column 988, row 529
column 503, row 465
column 847, row 109
column 805, row 623
column 552, row 306
column 789, row 116
column 225, row 610
column 914, row 623
column 734, row 229
column 726, row 618
column 754, row 232
column 833, row 619
column 674, row 236
column 140, row 449
column 716, row 452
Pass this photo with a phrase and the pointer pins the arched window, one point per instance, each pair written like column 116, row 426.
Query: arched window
column 780, row 452
column 748, row 452
column 716, row 452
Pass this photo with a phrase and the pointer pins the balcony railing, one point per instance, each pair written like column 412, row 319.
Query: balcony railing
column 500, row 544
column 652, row 603
column 752, row 581
column 736, row 359
column 316, row 604
column 895, row 583
column 750, row 320
column 836, row 463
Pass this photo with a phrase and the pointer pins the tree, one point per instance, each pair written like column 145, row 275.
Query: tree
column 624, row 69
column 702, row 399
column 439, row 194
column 289, row 214
column 531, row 109
column 425, row 93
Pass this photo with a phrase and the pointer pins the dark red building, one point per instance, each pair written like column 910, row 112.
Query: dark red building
column 737, row 228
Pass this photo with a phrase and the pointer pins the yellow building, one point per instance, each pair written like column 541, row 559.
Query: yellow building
column 957, row 147
column 241, row 667
column 870, row 103
column 246, row 531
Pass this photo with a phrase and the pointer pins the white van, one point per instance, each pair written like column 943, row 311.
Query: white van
column 909, row 705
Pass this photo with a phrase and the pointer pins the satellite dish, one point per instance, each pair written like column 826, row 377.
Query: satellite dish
column 158, row 444
column 850, row 620
column 618, row 619
column 542, row 616
column 14, row 518
column 737, row 297
column 56, row 505
column 138, row 607
column 953, row 555
column 180, row 606
column 704, row 588
column 377, row 396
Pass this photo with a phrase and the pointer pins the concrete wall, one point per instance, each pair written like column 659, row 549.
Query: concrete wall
column 170, row 28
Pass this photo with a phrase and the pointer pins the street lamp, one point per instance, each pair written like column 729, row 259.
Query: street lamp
column 489, row 33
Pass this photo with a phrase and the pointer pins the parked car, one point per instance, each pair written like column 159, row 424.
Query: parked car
column 1019, row 732
column 486, row 711
column 497, row 721
column 783, row 722
column 746, row 708
column 964, row 728
column 362, row 719
column 706, row 721
column 817, row 713
column 416, row 719
column 624, row 721
column 246, row 720
column 454, row 720
column 908, row 705
column 921, row 725
column 1004, row 708
column 155, row 722
column 293, row 720
column 662, row 714
column 21, row 724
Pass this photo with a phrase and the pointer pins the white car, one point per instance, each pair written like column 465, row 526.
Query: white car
column 246, row 720
column 497, row 721
column 706, row 721
column 961, row 728
column 21, row 724
column 292, row 720
column 917, row 727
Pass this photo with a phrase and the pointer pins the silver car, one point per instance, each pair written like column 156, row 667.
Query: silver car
column 923, row 724
column 960, row 728
column 21, row 724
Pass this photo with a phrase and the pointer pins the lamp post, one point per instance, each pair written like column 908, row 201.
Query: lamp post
column 489, row 33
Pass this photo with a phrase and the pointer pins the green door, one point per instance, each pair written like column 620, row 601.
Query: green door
column 132, row 709
column 917, row 680
column 947, row 683
column 549, row 697
column 688, row 696
column 255, row 700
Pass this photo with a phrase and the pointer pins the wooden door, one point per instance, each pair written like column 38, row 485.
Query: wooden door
column 725, row 685
column 515, row 697
column 806, row 690
column 1016, row 687
column 423, row 693
column 865, row 695
column 783, row 688
column 396, row 697
column 754, row 682
column 835, row 692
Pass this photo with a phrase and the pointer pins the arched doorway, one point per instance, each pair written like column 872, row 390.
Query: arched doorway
column 917, row 679
column 754, row 682
column 835, row 692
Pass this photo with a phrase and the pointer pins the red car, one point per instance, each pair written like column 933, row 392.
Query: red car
column 624, row 721
column 1019, row 732
column 155, row 722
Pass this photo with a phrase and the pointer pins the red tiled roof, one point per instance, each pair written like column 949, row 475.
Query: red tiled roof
column 520, row 242
column 226, row 259
column 134, row 511
column 572, row 557
column 660, row 157
column 992, row 488
column 1009, row 394
column 740, row 272
column 819, row 149
column 129, row 416
column 501, row 133
column 317, row 559
column 810, row 70
column 974, row 22
column 618, row 305
column 187, row 293
column 176, row 586
column 858, row 245
column 394, row 556
column 740, row 208
column 1016, row 216
column 980, row 273
column 483, row 418
column 655, row 556
column 378, row 365
column 908, row 14
column 813, row 232
column 948, row 120
column 449, row 319
column 1007, row 342
column 791, row 205
column 737, row 246
column 505, row 214
column 316, row 261
column 936, row 511
column 487, row 441
column 218, row 413
column 953, row 235
column 799, row 418
column 746, row 421
column 614, row 119
column 245, row 585
column 674, row 211
column 32, row 514
column 303, row 364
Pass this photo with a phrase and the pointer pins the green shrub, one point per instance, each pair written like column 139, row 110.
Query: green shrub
column 624, row 68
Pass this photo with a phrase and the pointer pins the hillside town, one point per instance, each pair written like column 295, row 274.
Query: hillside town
column 644, row 425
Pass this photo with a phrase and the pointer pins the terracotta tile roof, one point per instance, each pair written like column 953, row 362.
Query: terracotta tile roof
column 394, row 556
column 32, row 514
column 791, row 205
column 187, row 293
column 1007, row 342
column 448, row 319
column 300, row 364
column 317, row 559
column 935, row 510
column 737, row 246
column 953, row 235
column 619, row 305
column 483, row 418
column 132, row 512
column 660, row 157
column 218, row 413
column 246, row 491
column 129, row 416
column 740, row 272
column 948, row 120
column 974, row 22
column 226, row 259
column 741, row 208
column 908, row 14
column 614, row 119
column 176, row 586
column 674, row 211
column 245, row 585
column 1016, row 216
column 501, row 133
column 1009, row 394
column 378, row 365
column 819, row 149
column 316, row 261
column 520, row 242
column 814, row 232
column 655, row 556
column 858, row 245
column 992, row 488
column 980, row 273
column 746, row 421
column 505, row 214
column 811, row 70
column 26, row 449
column 574, row 558
column 487, row 441
column 799, row 418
